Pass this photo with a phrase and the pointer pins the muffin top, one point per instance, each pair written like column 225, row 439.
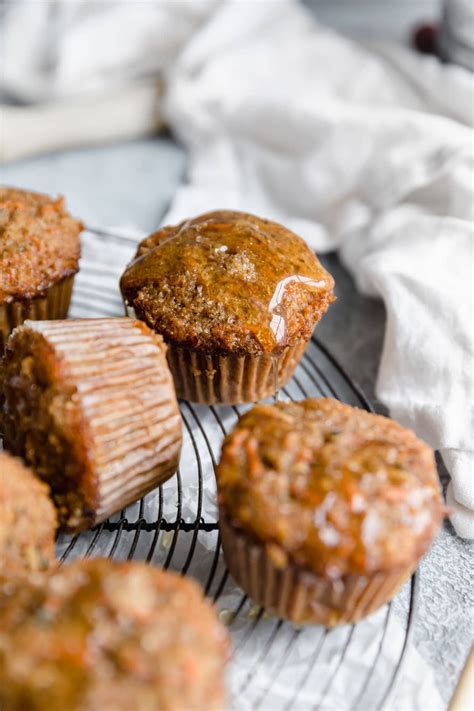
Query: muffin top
column 105, row 635
column 330, row 487
column 39, row 243
column 229, row 282
column 27, row 520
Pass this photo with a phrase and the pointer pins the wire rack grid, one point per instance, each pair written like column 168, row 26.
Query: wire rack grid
column 274, row 665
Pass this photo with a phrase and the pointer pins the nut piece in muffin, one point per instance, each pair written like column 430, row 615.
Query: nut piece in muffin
column 27, row 521
column 104, row 635
column 90, row 405
column 39, row 256
column 325, row 509
column 236, row 298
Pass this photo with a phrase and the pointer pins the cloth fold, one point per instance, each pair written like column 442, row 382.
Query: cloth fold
column 356, row 149
column 367, row 149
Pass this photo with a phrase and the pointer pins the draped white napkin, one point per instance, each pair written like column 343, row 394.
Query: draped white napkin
column 364, row 149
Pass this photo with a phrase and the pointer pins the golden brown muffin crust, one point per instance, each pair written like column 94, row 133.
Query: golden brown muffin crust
column 39, row 243
column 27, row 520
column 91, row 406
column 330, row 487
column 105, row 635
column 228, row 281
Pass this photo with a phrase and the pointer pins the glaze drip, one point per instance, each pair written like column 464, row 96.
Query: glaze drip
column 228, row 281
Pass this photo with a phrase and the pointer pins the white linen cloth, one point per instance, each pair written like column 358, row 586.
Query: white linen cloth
column 87, row 71
column 364, row 149
column 369, row 151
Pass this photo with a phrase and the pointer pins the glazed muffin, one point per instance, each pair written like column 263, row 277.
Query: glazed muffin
column 27, row 521
column 90, row 405
column 235, row 297
column 39, row 256
column 105, row 635
column 325, row 509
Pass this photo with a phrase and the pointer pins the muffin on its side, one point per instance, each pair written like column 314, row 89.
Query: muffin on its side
column 39, row 256
column 90, row 405
column 236, row 298
column 325, row 509
column 27, row 521
column 104, row 635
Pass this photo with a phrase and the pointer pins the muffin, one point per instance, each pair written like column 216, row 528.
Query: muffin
column 104, row 635
column 325, row 509
column 39, row 256
column 235, row 297
column 90, row 405
column 27, row 521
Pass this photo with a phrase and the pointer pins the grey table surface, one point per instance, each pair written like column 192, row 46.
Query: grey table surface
column 131, row 185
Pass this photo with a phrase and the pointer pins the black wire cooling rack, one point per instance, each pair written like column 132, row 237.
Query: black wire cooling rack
column 275, row 665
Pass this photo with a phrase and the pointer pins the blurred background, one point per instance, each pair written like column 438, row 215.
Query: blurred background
column 77, row 72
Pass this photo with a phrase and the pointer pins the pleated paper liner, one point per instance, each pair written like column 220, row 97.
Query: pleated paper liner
column 53, row 304
column 301, row 596
column 230, row 379
column 131, row 424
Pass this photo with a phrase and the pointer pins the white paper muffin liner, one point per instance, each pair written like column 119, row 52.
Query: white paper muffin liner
column 131, row 426
column 301, row 596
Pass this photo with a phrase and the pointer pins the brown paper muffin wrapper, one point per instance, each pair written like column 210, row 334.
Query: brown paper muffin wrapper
column 301, row 596
column 230, row 379
column 130, row 421
column 53, row 304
